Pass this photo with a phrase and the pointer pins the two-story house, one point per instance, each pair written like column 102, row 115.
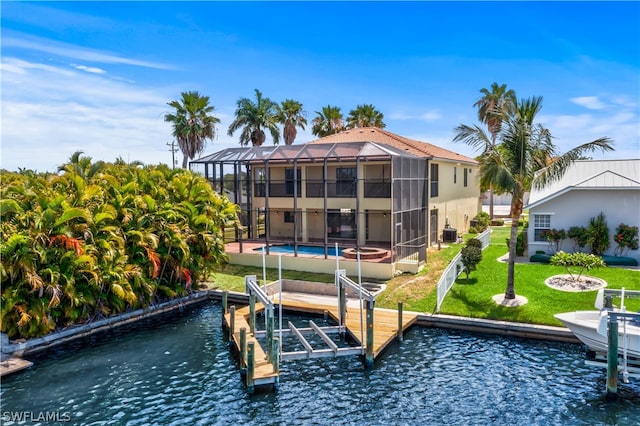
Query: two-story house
column 365, row 189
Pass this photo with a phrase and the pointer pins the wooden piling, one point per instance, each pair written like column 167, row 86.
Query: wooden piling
column 243, row 350
column 276, row 355
column 232, row 321
column 250, row 366
column 270, row 325
column 368, row 360
column 252, row 313
column 225, row 298
column 400, row 337
column 612, row 359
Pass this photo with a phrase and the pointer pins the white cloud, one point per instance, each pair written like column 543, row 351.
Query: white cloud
column 589, row 102
column 49, row 112
column 74, row 52
column 94, row 70
column 426, row 116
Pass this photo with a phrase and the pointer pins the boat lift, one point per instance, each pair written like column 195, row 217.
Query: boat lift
column 630, row 367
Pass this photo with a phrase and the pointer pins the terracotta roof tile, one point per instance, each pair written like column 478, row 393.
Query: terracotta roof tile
column 374, row 134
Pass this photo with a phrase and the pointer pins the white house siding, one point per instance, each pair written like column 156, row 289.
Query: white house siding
column 578, row 206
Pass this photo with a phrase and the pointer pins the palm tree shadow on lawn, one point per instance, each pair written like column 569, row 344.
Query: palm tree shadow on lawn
column 464, row 281
column 487, row 307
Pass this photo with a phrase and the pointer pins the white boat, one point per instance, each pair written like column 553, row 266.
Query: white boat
column 590, row 327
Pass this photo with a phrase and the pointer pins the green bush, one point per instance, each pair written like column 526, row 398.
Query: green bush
column 474, row 242
column 471, row 255
column 581, row 261
column 521, row 243
column 473, row 230
column 579, row 235
column 598, row 235
column 482, row 221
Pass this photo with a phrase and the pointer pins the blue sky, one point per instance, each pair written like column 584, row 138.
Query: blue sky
column 97, row 77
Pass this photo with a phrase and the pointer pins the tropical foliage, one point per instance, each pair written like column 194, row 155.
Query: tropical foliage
column 291, row 116
column 327, row 122
column 253, row 117
column 576, row 263
column 192, row 124
column 365, row 116
column 98, row 239
column 626, row 237
column 523, row 155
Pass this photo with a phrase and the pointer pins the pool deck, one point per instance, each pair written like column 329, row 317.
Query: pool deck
column 249, row 246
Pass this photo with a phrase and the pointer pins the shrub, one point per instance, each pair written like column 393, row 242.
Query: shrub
column 579, row 235
column 521, row 243
column 554, row 237
column 497, row 222
column 598, row 235
column 473, row 230
column 474, row 242
column 627, row 239
column 471, row 255
column 482, row 221
column 581, row 261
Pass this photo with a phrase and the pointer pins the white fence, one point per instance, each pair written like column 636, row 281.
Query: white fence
column 454, row 269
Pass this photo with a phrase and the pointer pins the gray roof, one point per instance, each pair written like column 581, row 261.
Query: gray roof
column 305, row 153
column 590, row 174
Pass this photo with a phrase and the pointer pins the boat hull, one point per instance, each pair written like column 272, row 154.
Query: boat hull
column 591, row 329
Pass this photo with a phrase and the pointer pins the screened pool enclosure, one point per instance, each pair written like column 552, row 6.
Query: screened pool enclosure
column 359, row 195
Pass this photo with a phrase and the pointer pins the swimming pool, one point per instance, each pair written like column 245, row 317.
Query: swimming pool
column 302, row 249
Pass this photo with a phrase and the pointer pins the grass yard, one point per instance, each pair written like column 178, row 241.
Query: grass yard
column 474, row 298
column 471, row 298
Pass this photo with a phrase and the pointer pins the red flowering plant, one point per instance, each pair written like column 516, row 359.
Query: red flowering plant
column 627, row 239
column 554, row 237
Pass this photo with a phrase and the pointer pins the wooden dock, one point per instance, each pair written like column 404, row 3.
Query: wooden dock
column 13, row 365
column 386, row 326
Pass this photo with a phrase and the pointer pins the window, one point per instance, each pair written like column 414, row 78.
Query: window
column 434, row 180
column 341, row 223
column 288, row 177
column 259, row 185
column 346, row 181
column 541, row 223
column 465, row 176
column 288, row 217
column 455, row 174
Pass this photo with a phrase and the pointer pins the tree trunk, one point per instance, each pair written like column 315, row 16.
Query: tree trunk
column 185, row 161
column 491, row 202
column 516, row 210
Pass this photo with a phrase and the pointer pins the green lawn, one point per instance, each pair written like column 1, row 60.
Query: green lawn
column 474, row 298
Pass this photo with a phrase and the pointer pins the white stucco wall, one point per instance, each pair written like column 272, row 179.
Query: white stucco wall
column 577, row 207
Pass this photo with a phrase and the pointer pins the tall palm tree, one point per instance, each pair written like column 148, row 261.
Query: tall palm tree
column 192, row 124
column 253, row 117
column 491, row 109
column 291, row 115
column 329, row 121
column 524, row 150
column 365, row 116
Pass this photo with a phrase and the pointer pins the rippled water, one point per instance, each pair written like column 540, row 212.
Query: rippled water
column 182, row 372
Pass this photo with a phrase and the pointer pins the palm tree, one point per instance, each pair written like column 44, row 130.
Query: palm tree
column 365, row 116
column 291, row 115
column 253, row 117
column 329, row 121
column 490, row 112
column 192, row 124
column 524, row 151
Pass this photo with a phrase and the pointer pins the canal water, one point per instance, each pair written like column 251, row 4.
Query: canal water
column 181, row 372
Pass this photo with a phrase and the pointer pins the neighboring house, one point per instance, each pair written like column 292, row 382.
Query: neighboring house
column 364, row 187
column 587, row 189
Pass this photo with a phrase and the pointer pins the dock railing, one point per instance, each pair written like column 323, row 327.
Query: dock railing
column 454, row 269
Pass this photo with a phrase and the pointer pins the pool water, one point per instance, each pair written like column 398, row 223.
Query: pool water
column 180, row 371
column 302, row 249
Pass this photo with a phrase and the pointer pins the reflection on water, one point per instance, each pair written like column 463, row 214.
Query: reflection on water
column 181, row 372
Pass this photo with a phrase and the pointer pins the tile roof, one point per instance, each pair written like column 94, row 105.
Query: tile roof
column 374, row 134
